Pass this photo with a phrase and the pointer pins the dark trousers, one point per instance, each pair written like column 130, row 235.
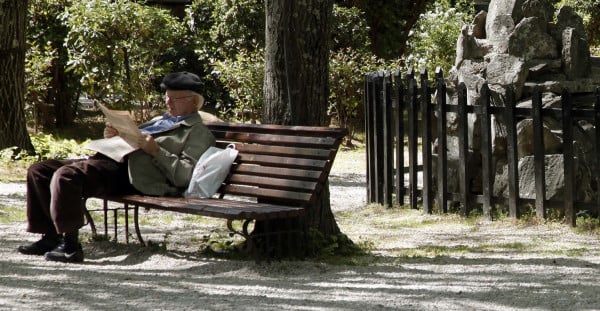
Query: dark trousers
column 56, row 190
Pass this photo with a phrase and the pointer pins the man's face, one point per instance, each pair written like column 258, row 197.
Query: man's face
column 180, row 103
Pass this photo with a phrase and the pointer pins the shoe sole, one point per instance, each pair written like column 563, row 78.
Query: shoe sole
column 68, row 258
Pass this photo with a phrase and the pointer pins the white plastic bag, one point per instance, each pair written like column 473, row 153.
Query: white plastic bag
column 210, row 171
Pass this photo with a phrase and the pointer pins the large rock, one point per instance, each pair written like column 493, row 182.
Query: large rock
column 538, row 8
column 479, row 25
column 530, row 40
column 575, row 54
column 505, row 71
column 567, row 18
column 501, row 15
column 525, row 139
column 469, row 47
column 502, row 26
column 554, row 179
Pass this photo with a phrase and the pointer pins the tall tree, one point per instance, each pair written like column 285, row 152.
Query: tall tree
column 296, row 88
column 390, row 23
column 13, row 127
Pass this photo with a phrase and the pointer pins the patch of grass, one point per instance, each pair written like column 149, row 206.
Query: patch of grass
column 569, row 252
column 501, row 247
column 433, row 251
column 430, row 251
column 587, row 225
column 9, row 214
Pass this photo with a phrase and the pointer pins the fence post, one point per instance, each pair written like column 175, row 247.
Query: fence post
column 539, row 156
column 511, row 155
column 379, row 139
column 388, row 148
column 400, row 189
column 412, row 138
column 426, row 142
column 568, row 157
column 486, row 152
column 597, row 125
column 463, row 152
column 369, row 98
column 442, row 161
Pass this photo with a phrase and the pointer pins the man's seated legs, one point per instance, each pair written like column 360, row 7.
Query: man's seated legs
column 55, row 192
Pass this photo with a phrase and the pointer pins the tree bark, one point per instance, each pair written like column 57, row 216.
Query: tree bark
column 13, row 126
column 296, row 87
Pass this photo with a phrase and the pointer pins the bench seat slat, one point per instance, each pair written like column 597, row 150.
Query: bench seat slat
column 229, row 209
column 293, row 197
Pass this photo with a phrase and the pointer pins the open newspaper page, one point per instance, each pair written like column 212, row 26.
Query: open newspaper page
column 119, row 146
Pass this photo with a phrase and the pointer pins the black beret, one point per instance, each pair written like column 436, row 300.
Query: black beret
column 180, row 81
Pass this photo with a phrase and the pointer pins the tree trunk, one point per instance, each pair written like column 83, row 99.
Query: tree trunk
column 13, row 127
column 296, row 85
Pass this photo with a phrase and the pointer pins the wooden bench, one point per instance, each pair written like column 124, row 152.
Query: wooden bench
column 279, row 172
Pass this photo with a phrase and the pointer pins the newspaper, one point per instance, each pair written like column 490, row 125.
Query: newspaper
column 118, row 147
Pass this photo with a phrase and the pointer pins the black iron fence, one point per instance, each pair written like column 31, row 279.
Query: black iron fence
column 401, row 114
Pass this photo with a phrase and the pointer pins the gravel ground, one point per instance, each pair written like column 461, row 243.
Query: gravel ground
column 502, row 265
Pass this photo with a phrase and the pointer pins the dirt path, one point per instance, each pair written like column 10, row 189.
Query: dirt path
column 455, row 266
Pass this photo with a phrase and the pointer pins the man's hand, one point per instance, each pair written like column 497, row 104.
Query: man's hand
column 110, row 131
column 149, row 145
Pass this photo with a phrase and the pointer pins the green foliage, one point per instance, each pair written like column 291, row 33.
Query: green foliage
column 14, row 163
column 223, row 28
column 116, row 47
column 243, row 76
column 38, row 74
column 226, row 36
column 349, row 61
column 347, row 69
column 351, row 30
column 587, row 224
column 47, row 85
column 47, row 146
column 432, row 43
column 390, row 22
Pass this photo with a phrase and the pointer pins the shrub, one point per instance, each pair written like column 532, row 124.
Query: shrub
column 432, row 42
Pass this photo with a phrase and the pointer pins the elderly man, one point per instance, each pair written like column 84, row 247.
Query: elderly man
column 168, row 150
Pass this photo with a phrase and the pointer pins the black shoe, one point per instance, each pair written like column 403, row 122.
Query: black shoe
column 41, row 247
column 66, row 252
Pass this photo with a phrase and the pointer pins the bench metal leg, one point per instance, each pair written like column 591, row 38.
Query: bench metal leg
column 250, row 243
column 89, row 219
column 105, row 209
column 136, row 224
column 126, row 206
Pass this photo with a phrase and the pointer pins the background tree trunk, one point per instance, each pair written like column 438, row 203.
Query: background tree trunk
column 13, row 127
column 296, row 87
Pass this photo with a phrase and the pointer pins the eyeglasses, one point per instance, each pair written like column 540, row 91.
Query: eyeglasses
column 176, row 98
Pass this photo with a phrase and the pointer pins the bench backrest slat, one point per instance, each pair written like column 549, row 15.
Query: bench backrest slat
column 276, row 183
column 276, row 139
column 292, row 198
column 284, row 164
column 313, row 153
column 274, row 161
column 278, row 172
